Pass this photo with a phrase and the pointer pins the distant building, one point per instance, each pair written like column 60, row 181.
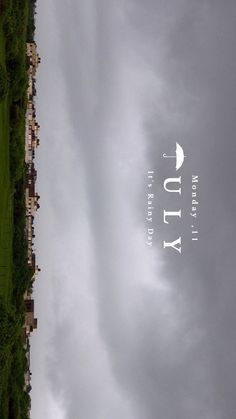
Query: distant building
column 33, row 58
column 31, row 322
column 31, row 196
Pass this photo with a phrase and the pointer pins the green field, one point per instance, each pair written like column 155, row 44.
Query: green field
column 6, row 222
column 5, row 192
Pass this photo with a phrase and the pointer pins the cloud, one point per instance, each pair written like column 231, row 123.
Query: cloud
column 126, row 330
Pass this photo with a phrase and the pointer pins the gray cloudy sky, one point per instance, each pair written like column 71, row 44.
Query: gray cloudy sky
column 125, row 330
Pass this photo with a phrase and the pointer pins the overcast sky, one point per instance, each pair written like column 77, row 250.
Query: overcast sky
column 128, row 330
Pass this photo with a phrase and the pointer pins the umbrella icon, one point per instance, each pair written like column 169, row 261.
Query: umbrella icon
column 179, row 156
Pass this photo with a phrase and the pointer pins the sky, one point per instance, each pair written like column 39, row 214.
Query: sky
column 128, row 330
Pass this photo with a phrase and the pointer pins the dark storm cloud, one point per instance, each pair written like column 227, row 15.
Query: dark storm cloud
column 137, row 77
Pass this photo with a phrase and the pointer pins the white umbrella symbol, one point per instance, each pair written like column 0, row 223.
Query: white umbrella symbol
column 179, row 156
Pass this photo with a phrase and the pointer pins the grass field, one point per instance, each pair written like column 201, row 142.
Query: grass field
column 5, row 192
column 6, row 222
